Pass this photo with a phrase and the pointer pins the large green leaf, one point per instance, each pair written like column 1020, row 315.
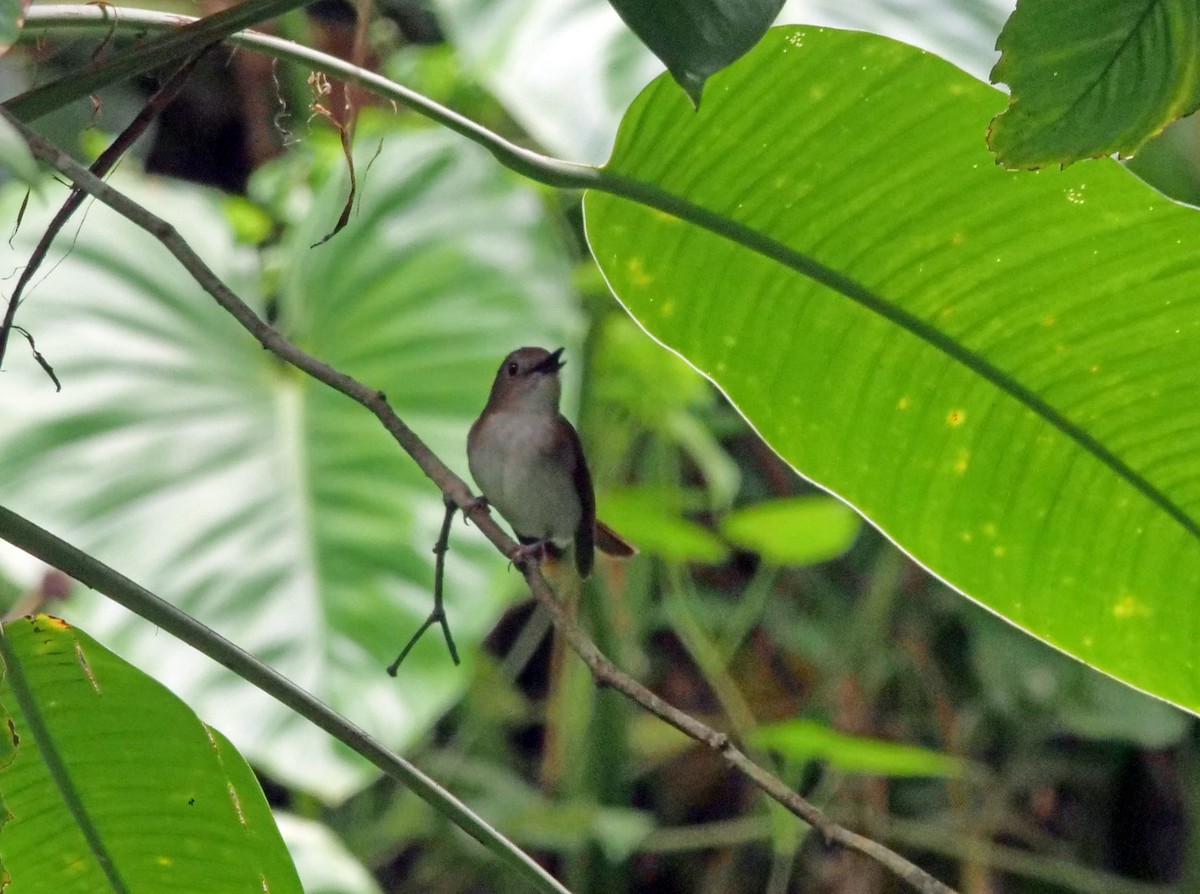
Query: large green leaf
column 273, row 509
column 114, row 780
column 1031, row 683
column 997, row 369
column 1091, row 79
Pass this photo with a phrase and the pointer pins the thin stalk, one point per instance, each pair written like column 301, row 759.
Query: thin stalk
column 56, row 552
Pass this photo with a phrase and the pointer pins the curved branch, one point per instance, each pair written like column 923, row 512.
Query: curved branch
column 455, row 489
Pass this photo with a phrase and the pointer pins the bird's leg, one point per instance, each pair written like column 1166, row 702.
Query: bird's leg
column 480, row 502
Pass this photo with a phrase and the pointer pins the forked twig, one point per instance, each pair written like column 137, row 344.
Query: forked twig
column 438, row 614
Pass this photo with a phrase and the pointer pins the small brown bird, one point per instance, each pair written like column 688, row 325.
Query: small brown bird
column 529, row 464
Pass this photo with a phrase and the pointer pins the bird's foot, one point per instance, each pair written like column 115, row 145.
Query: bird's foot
column 479, row 502
column 535, row 552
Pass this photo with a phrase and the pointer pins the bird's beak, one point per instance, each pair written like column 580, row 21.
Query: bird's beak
column 551, row 364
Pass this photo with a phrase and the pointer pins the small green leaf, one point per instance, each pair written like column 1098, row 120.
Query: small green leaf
column 794, row 531
column 250, row 224
column 651, row 519
column 697, row 38
column 805, row 740
column 1091, row 79
column 112, row 767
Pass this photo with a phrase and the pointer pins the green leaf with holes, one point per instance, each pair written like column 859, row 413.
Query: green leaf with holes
column 997, row 369
column 113, row 784
column 1091, row 79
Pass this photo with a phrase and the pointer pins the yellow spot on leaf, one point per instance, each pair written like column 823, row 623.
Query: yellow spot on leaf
column 1127, row 606
column 903, row 404
column 963, row 462
column 637, row 272
column 999, row 551
column 1049, row 320
column 955, row 417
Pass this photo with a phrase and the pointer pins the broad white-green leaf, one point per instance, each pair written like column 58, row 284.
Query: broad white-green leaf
column 273, row 509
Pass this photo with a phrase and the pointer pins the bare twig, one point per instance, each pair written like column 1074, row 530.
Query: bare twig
column 438, row 614
column 455, row 489
column 38, row 356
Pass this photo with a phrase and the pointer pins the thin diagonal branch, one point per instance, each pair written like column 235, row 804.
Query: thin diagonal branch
column 95, row 574
column 455, row 489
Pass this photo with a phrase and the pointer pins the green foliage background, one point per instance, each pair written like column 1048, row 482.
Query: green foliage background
column 280, row 515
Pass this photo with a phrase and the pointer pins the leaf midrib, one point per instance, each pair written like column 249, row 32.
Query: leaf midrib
column 652, row 196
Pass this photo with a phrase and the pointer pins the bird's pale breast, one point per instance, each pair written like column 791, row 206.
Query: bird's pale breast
column 526, row 472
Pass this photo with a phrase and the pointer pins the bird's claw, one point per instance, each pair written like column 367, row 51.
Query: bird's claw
column 529, row 552
column 479, row 502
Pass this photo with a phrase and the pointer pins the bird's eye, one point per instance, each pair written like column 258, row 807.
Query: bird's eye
column 513, row 369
